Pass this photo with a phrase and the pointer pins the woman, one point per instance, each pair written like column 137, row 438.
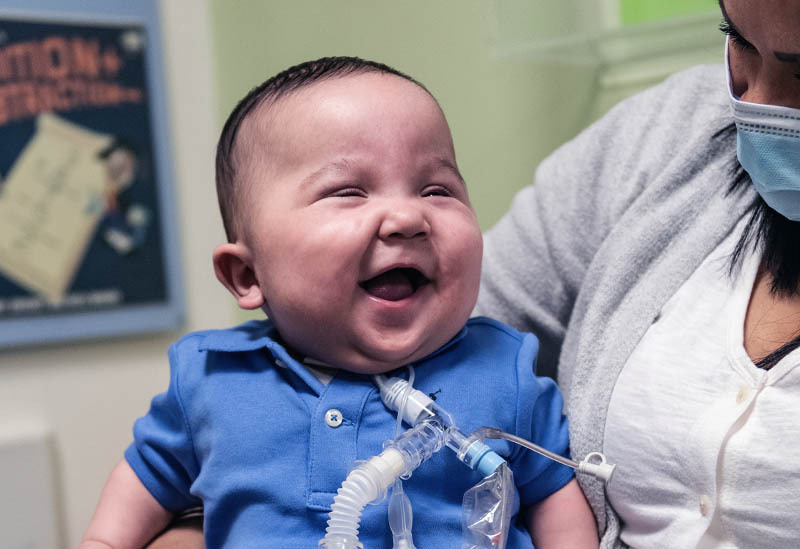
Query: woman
column 662, row 279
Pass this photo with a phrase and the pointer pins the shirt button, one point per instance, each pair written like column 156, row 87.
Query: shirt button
column 742, row 395
column 333, row 418
column 705, row 503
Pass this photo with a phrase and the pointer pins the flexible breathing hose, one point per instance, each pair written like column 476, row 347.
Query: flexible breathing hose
column 364, row 484
column 370, row 480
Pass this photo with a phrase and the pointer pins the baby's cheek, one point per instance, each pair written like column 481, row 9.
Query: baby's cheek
column 471, row 253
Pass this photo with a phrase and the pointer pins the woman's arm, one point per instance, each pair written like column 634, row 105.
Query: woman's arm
column 184, row 532
column 127, row 515
column 563, row 520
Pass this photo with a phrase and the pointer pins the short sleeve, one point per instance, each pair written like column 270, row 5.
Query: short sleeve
column 162, row 453
column 540, row 419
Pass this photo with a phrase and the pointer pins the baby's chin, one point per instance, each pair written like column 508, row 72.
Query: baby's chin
column 375, row 362
column 375, row 353
column 372, row 366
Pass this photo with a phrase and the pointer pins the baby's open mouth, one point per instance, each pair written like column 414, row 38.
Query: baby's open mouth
column 395, row 284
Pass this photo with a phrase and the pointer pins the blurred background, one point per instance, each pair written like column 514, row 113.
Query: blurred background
column 516, row 78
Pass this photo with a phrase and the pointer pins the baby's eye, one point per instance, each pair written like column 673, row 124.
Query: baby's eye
column 436, row 190
column 346, row 192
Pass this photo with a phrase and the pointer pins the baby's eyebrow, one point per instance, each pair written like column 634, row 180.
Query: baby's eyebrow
column 443, row 162
column 337, row 166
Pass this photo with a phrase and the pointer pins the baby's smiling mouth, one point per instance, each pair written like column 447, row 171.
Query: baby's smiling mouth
column 395, row 284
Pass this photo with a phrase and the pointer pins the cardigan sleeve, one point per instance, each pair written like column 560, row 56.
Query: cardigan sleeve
column 537, row 256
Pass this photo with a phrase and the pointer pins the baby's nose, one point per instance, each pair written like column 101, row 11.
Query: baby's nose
column 402, row 220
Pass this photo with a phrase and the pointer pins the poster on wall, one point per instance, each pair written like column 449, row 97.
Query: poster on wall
column 87, row 232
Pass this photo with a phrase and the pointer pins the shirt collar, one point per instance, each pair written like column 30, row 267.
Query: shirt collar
column 250, row 336
column 255, row 335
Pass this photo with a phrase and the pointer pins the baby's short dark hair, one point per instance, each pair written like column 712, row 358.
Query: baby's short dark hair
column 282, row 84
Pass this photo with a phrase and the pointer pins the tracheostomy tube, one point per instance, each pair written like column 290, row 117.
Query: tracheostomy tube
column 420, row 407
column 432, row 428
column 487, row 506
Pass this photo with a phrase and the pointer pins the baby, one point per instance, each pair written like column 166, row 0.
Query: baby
column 349, row 225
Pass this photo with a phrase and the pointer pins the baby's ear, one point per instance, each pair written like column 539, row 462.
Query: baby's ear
column 233, row 266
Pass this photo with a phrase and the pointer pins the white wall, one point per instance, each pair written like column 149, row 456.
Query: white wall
column 88, row 394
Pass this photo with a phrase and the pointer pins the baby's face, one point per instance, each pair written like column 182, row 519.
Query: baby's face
column 363, row 240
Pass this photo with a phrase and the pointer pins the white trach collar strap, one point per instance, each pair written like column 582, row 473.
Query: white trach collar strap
column 322, row 371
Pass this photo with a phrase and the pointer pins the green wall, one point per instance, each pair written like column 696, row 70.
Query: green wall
column 641, row 11
column 505, row 113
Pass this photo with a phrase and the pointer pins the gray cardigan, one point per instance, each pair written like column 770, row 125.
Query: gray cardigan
column 617, row 220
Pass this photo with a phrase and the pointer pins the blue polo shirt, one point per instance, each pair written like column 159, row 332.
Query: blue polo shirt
column 242, row 430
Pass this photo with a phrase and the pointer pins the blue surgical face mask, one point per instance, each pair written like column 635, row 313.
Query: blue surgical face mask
column 768, row 147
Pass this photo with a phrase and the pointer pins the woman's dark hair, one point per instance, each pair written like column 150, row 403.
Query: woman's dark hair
column 777, row 237
column 283, row 83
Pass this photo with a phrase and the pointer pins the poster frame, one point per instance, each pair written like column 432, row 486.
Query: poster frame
column 49, row 327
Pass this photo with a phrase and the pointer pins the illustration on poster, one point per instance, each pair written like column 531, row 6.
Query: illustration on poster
column 65, row 184
column 78, row 207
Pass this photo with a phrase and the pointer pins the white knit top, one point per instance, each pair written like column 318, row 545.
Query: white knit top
column 707, row 446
